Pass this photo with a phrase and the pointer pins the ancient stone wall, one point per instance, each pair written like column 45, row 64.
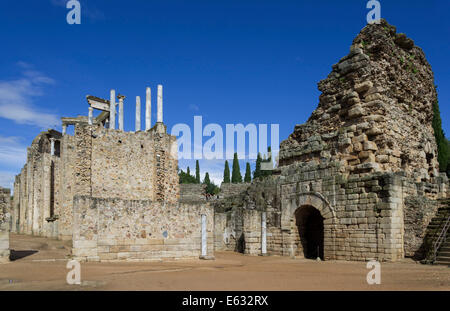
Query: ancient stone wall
column 363, row 159
column 95, row 162
column 117, row 164
column 375, row 110
column 192, row 192
column 66, row 188
column 230, row 190
column 37, row 188
column 117, row 229
column 5, row 217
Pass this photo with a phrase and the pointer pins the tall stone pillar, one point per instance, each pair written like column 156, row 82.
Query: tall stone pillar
column 148, row 109
column 112, row 110
column 138, row 113
column 263, row 233
column 5, row 210
column 160, row 104
column 64, row 129
column 52, row 146
column 90, row 115
column 204, row 237
column 121, row 98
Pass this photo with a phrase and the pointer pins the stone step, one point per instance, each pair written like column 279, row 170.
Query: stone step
column 437, row 221
column 444, row 253
column 442, row 263
column 443, row 258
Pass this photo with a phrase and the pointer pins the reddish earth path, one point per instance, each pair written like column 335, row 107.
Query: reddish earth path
column 46, row 270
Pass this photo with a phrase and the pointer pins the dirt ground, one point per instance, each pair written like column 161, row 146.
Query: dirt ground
column 40, row 264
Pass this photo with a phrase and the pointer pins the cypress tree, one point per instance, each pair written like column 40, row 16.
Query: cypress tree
column 441, row 141
column 197, row 172
column 206, row 181
column 257, row 172
column 188, row 171
column 248, row 174
column 236, row 176
column 226, row 173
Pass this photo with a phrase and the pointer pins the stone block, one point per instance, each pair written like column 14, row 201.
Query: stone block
column 370, row 145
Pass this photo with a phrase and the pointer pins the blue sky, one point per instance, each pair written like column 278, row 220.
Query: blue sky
column 228, row 61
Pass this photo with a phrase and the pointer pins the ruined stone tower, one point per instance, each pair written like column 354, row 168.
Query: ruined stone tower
column 375, row 110
column 350, row 179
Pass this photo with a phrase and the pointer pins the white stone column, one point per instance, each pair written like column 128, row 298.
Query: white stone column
column 91, row 115
column 64, row 129
column 121, row 98
column 112, row 110
column 263, row 233
column 138, row 113
column 148, row 109
column 160, row 104
column 52, row 146
column 204, row 236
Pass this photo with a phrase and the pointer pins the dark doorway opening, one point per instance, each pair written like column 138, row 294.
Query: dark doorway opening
column 240, row 245
column 309, row 222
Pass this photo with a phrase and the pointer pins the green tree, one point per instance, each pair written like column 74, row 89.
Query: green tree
column 185, row 178
column 248, row 173
column 257, row 171
column 441, row 141
column 206, row 181
column 226, row 173
column 197, row 172
column 236, row 176
column 211, row 188
column 188, row 171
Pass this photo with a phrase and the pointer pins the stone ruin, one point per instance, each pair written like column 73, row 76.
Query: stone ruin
column 115, row 194
column 358, row 181
column 5, row 197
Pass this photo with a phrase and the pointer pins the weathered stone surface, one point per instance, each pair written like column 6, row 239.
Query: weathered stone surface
column 377, row 153
column 5, row 207
column 396, row 116
column 119, row 229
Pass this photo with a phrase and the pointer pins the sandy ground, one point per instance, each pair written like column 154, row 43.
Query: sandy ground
column 40, row 264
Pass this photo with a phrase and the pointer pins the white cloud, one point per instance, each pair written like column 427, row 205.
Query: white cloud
column 12, row 153
column 16, row 99
column 7, row 180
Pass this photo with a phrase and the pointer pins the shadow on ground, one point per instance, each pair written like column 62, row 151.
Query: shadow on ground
column 15, row 255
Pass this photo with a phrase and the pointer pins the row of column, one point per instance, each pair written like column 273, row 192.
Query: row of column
column 148, row 108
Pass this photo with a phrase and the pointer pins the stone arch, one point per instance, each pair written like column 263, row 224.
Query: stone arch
column 318, row 202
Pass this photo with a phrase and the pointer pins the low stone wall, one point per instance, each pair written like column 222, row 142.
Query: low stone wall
column 139, row 230
column 192, row 192
column 5, row 206
column 365, row 216
column 229, row 190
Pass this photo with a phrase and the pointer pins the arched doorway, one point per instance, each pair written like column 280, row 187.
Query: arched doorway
column 309, row 222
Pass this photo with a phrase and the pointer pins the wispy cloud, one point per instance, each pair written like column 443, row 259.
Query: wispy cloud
column 13, row 153
column 7, row 180
column 16, row 98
